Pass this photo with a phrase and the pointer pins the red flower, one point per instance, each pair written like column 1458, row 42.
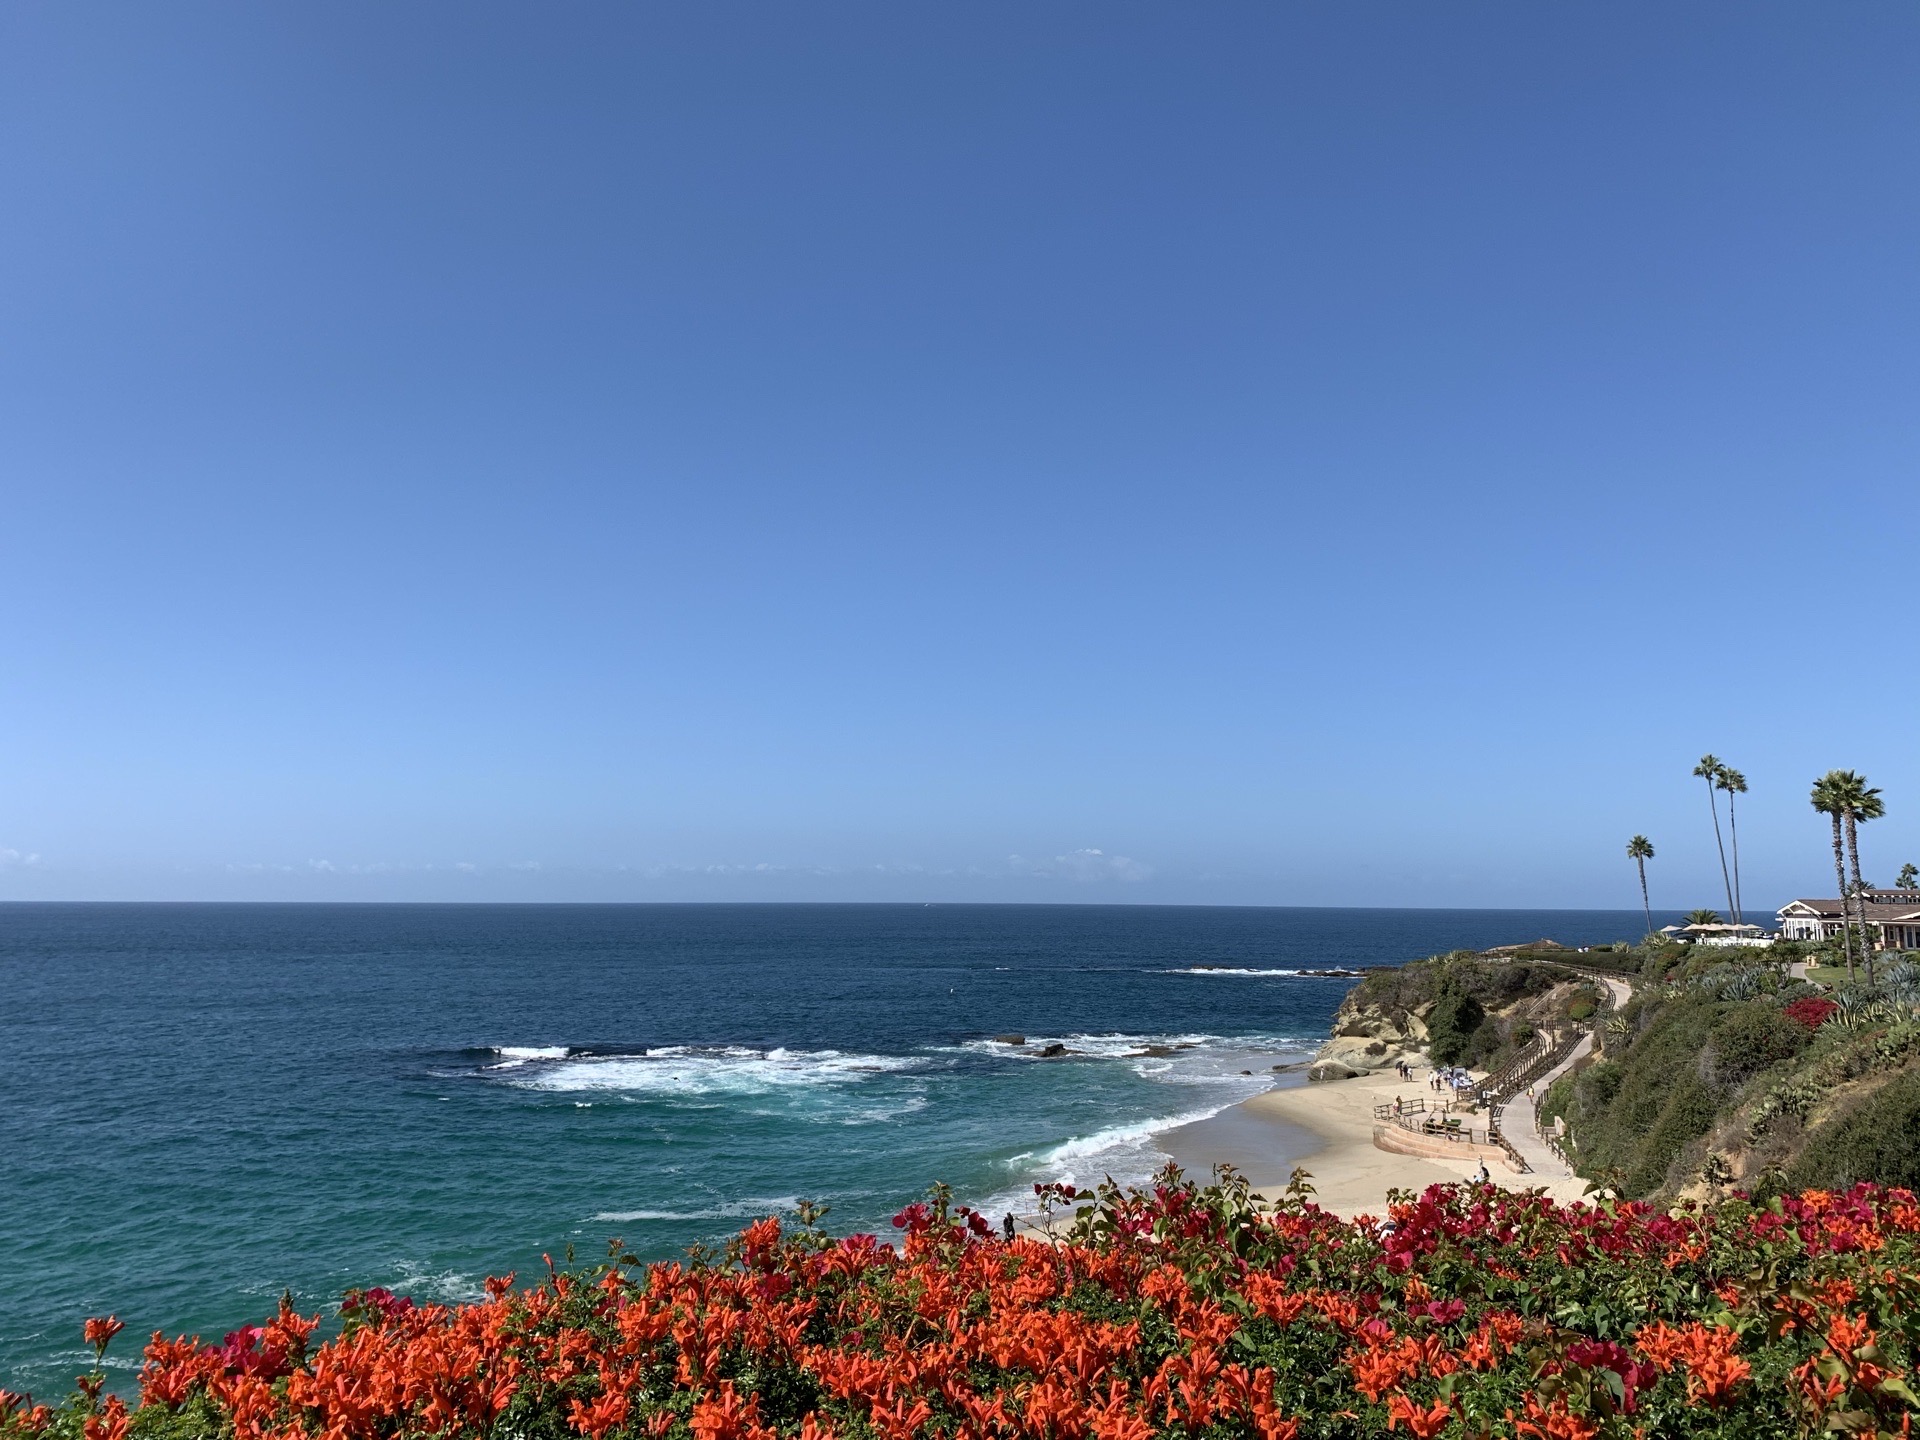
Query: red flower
column 1811, row 1010
column 101, row 1330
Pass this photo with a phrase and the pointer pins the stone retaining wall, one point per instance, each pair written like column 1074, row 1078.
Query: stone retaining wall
column 1432, row 1147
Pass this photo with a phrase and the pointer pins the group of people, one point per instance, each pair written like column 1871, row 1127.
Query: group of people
column 1441, row 1077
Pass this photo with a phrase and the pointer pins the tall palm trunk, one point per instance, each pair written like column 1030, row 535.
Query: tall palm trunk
column 1840, row 875
column 1859, row 893
column 1725, row 879
column 1733, row 833
column 1645, row 904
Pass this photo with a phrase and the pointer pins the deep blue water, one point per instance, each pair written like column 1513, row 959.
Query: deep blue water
column 202, row 1105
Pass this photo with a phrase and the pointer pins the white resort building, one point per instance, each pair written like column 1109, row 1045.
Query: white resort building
column 1719, row 933
column 1893, row 919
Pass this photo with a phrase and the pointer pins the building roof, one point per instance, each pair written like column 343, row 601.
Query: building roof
column 1883, row 907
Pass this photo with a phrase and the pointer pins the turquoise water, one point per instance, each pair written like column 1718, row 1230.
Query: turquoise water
column 201, row 1106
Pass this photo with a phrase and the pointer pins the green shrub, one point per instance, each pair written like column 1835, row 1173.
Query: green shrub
column 1635, row 1113
column 1688, row 1113
column 1581, row 1009
column 1451, row 1026
column 1876, row 1140
column 1558, row 1100
column 1596, row 1086
column 1752, row 1038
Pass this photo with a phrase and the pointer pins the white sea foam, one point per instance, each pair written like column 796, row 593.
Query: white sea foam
column 1115, row 1140
column 1127, row 1153
column 1121, row 1046
column 421, row 1282
column 681, row 1070
column 881, row 1114
column 1225, row 970
column 512, row 1057
column 726, row 1210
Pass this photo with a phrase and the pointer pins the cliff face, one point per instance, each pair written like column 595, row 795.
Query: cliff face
column 1370, row 1034
column 1455, row 1010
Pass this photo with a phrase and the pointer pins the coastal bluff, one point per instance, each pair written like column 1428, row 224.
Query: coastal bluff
column 1371, row 1033
column 1463, row 1008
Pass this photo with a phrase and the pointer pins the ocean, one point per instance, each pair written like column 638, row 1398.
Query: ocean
column 202, row 1106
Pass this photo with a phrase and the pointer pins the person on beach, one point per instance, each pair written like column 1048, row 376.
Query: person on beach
column 1006, row 1226
column 1483, row 1178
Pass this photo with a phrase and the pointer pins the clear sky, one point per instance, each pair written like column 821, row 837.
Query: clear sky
column 1254, row 453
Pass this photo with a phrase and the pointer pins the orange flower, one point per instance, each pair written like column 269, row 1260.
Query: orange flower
column 727, row 1418
column 1705, row 1350
column 1553, row 1422
column 100, row 1330
column 110, row 1423
column 596, row 1419
column 1423, row 1423
column 1377, row 1371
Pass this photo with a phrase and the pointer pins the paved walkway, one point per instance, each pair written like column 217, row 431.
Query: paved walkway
column 1517, row 1121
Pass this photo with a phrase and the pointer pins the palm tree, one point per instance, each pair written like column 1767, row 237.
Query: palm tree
column 1640, row 850
column 1862, row 804
column 1908, row 879
column 1734, row 783
column 1829, row 799
column 1709, row 770
column 1703, row 917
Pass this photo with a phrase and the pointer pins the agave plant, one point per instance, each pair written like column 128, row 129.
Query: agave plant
column 1731, row 982
column 1857, row 1008
column 1901, row 985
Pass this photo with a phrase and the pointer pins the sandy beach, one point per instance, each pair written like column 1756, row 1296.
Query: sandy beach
column 1327, row 1130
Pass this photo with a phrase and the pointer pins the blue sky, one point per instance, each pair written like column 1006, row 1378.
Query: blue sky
column 1293, row 454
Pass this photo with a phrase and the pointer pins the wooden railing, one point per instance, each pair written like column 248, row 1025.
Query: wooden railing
column 1414, row 1117
column 1549, row 1048
column 1546, row 1055
column 1495, row 1134
column 1553, row 1139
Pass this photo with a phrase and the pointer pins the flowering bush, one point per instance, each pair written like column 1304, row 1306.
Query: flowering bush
column 1178, row 1310
column 1811, row 1010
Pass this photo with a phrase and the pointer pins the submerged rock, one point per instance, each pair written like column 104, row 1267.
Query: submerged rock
column 1009, row 1039
column 1053, row 1050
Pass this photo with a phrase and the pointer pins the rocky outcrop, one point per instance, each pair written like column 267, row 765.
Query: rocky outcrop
column 1369, row 1037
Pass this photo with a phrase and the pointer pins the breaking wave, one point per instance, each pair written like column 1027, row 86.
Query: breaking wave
column 686, row 1070
column 728, row 1210
column 514, row 1056
column 1226, row 970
